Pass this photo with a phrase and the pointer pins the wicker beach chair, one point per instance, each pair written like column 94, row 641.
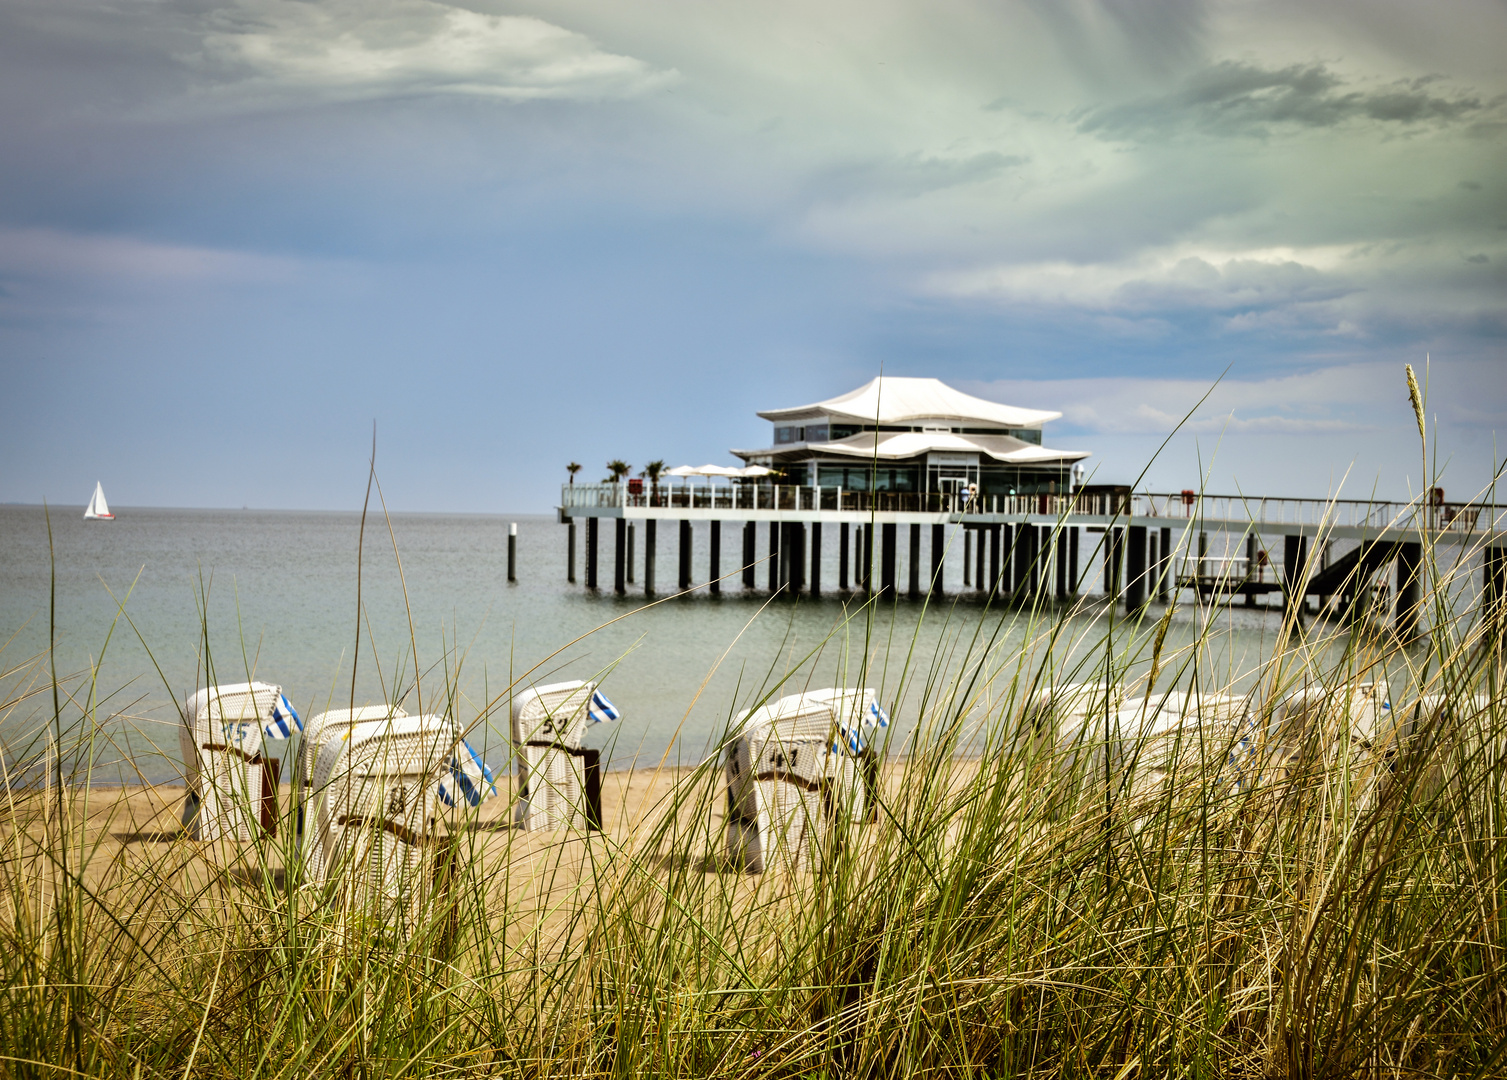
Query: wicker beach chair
column 230, row 775
column 374, row 811
column 559, row 780
column 1141, row 746
column 328, row 725
column 798, row 767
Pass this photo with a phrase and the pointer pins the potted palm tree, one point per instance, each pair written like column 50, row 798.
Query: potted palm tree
column 617, row 469
column 573, row 468
column 654, row 470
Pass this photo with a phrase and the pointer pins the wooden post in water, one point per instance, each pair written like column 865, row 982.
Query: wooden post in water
column 750, row 552
column 914, row 584
column 1074, row 582
column 570, row 551
column 1294, row 556
column 632, row 529
column 938, row 555
column 1135, row 568
column 714, row 558
column 650, row 528
column 967, row 557
column 887, row 559
column 995, row 535
column 1165, row 569
column 620, row 556
column 592, row 529
column 774, row 553
column 1409, row 589
column 816, row 558
column 866, row 557
column 1061, row 560
column 685, row 555
column 842, row 556
column 513, row 552
column 1494, row 593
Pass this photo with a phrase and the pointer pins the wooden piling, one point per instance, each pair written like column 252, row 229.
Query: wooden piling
column 750, row 553
column 684, row 581
column 842, row 557
column 1135, row 568
column 938, row 556
column 774, row 555
column 513, row 552
column 913, row 589
column 632, row 538
column 592, row 529
column 650, row 528
column 816, row 558
column 570, row 551
column 887, row 559
column 1165, row 570
column 620, row 556
column 714, row 558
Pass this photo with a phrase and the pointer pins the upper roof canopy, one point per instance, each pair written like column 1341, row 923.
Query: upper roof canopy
column 891, row 399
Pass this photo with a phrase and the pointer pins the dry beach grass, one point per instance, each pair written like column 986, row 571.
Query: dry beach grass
column 1339, row 913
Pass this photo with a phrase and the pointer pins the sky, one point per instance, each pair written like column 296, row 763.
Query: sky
column 238, row 239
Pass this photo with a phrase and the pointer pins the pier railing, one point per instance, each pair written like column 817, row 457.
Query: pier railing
column 1176, row 506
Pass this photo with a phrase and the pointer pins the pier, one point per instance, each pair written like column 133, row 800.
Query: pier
column 1143, row 547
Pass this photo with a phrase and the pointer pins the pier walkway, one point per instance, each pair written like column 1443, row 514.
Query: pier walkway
column 1021, row 548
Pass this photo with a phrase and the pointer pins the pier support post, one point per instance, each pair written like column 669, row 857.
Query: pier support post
column 1135, row 569
column 750, row 552
column 967, row 556
column 995, row 534
column 513, row 552
column 1061, row 561
column 774, row 555
column 1009, row 536
column 887, row 559
column 619, row 555
column 632, row 549
column 1023, row 558
column 978, row 557
column 1294, row 558
column 1203, row 559
column 1250, row 569
column 816, row 558
column 938, row 554
column 914, row 584
column 1494, row 592
column 1114, row 552
column 1164, row 570
column 570, row 551
column 593, row 526
column 792, row 556
column 1409, row 589
column 650, row 528
column 714, row 558
column 1074, row 581
column 866, row 557
column 842, row 556
column 683, row 579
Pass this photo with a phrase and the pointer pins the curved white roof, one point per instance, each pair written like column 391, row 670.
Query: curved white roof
column 890, row 399
column 898, row 445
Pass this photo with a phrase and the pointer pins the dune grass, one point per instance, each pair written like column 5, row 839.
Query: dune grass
column 1339, row 915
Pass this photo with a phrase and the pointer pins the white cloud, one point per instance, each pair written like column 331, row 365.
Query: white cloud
column 346, row 51
column 1361, row 397
column 53, row 255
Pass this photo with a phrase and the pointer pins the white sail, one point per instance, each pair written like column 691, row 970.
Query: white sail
column 98, row 508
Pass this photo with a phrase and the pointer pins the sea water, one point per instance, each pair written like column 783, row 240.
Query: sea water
column 135, row 614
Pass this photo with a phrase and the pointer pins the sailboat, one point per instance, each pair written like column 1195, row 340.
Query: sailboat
column 98, row 509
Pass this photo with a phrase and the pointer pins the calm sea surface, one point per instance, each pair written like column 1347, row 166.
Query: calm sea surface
column 273, row 595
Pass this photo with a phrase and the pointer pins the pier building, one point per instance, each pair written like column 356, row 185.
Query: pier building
column 915, row 435
column 923, row 490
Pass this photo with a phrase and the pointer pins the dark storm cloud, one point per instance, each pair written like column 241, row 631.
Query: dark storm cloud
column 1238, row 98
